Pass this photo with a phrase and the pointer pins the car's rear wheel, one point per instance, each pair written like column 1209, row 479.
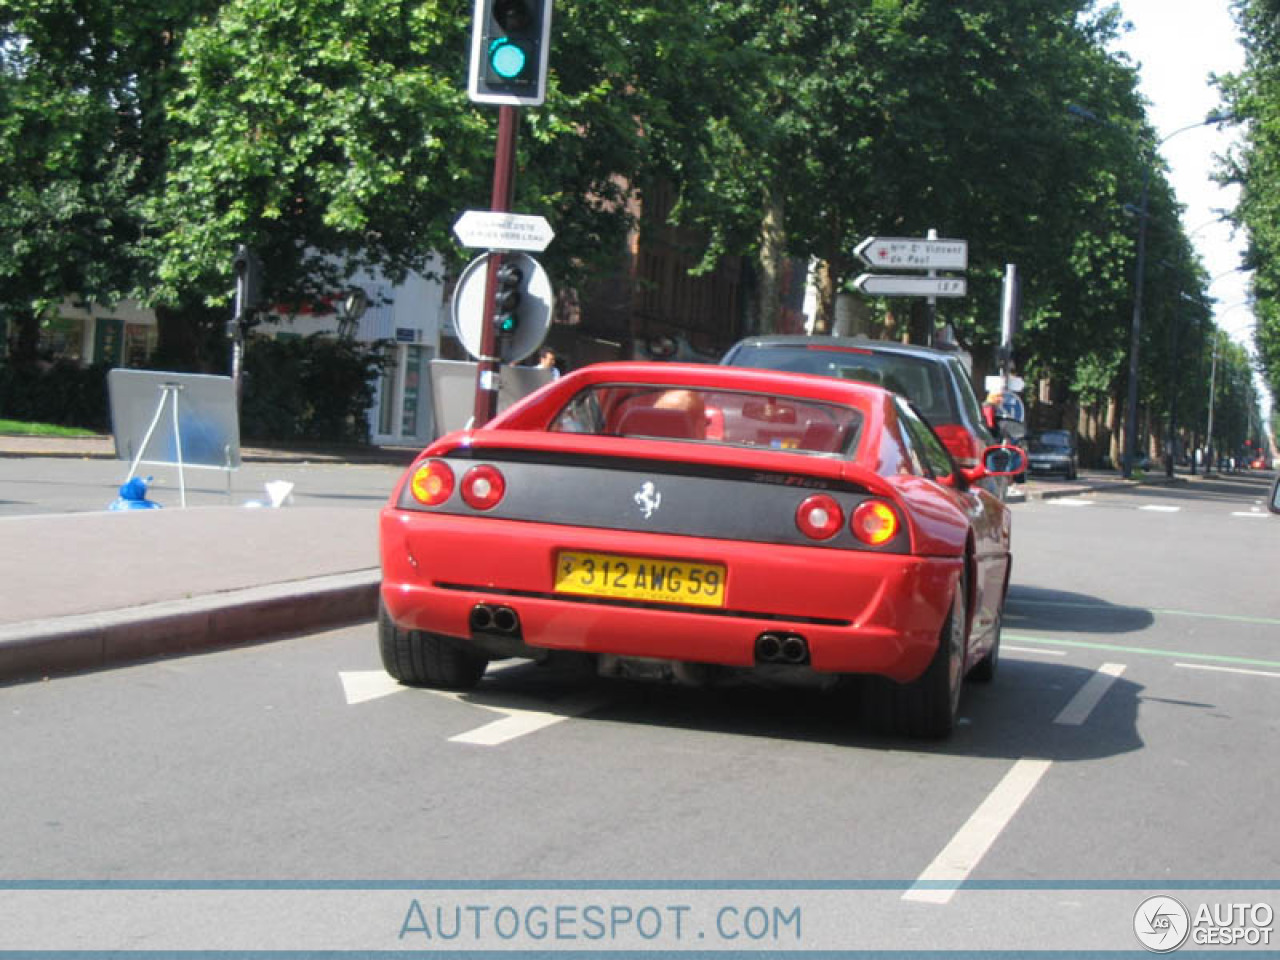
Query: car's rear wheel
column 929, row 705
column 419, row 659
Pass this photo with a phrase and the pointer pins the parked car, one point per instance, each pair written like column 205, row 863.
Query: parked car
column 935, row 381
column 1053, row 451
column 702, row 520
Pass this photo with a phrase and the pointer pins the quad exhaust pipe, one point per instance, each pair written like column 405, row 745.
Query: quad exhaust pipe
column 787, row 648
column 488, row 618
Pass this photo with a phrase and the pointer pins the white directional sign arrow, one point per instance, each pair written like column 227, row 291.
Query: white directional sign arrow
column 905, row 253
column 490, row 230
column 906, row 285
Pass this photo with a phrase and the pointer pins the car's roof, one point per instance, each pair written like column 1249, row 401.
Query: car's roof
column 849, row 343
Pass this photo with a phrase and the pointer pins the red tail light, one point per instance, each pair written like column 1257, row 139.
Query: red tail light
column 483, row 487
column 819, row 517
column 874, row 522
column 960, row 443
column 432, row 483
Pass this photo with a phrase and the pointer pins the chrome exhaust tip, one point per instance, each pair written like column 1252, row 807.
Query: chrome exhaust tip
column 481, row 616
column 505, row 620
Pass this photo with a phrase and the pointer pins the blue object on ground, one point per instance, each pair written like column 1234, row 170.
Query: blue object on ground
column 133, row 496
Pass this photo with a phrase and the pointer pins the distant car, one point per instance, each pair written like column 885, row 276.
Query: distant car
column 701, row 520
column 1053, row 451
column 935, row 381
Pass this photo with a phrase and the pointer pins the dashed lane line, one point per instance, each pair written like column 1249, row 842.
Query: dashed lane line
column 1087, row 697
column 1149, row 651
column 949, row 870
column 958, row 859
column 1251, row 673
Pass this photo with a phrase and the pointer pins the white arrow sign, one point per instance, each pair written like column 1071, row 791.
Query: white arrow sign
column 490, row 230
column 904, row 253
column 905, row 285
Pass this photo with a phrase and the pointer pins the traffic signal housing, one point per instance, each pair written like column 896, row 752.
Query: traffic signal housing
column 507, row 299
column 510, row 40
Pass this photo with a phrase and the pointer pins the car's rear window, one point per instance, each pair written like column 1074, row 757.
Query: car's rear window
column 729, row 418
column 923, row 382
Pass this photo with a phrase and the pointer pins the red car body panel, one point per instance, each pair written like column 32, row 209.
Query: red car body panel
column 861, row 610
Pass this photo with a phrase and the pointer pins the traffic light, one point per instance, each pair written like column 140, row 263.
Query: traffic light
column 508, row 297
column 509, row 45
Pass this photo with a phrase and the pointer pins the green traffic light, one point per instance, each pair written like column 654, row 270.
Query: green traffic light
column 507, row 59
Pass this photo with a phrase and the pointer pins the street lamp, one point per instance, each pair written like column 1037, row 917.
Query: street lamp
column 1139, row 274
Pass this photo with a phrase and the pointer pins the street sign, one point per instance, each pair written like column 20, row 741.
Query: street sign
column 468, row 308
column 905, row 253
column 492, row 230
column 906, row 285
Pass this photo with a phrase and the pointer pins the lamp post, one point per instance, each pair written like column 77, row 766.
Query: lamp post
column 1139, row 276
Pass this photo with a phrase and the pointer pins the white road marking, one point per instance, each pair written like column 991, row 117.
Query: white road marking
column 1251, row 673
column 1071, row 502
column 1160, row 508
column 361, row 686
column 940, row 880
column 1087, row 697
column 518, row 723
column 1254, row 513
column 1038, row 651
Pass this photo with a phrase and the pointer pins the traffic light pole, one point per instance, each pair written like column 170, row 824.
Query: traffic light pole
column 504, row 166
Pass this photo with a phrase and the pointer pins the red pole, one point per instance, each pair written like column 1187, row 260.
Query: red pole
column 504, row 169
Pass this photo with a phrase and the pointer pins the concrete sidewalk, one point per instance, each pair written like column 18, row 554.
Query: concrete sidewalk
column 87, row 590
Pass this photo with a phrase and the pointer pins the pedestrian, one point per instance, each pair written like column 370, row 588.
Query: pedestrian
column 547, row 360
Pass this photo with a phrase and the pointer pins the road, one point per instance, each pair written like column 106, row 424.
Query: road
column 1127, row 739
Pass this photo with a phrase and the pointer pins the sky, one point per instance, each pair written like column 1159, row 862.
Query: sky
column 1179, row 45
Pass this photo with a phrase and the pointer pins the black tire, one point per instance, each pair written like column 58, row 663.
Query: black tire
column 984, row 671
column 419, row 659
column 929, row 706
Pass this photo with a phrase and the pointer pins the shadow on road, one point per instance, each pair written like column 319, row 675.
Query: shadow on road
column 1011, row 718
column 1044, row 610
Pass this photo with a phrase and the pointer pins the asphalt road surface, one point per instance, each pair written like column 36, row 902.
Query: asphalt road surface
column 1129, row 738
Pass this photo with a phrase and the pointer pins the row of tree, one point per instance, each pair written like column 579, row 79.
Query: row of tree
column 138, row 148
column 1254, row 96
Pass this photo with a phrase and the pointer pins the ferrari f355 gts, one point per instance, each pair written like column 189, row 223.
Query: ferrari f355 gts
column 703, row 520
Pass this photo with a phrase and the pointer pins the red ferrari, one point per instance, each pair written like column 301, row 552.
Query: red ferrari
column 694, row 520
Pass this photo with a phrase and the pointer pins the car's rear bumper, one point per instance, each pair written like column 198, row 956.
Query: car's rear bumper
column 860, row 612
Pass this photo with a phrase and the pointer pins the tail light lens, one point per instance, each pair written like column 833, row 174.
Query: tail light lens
column 483, row 487
column 960, row 443
column 819, row 517
column 874, row 522
column 432, row 483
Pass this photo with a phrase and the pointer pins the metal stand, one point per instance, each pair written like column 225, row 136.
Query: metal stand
column 168, row 391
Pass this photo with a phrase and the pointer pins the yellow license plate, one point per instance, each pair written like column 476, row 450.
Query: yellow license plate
column 639, row 578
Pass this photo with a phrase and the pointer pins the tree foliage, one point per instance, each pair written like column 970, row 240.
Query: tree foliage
column 138, row 149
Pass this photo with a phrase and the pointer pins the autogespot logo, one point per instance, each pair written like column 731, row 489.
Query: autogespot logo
column 1162, row 924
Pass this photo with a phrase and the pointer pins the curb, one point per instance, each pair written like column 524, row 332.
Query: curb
column 39, row 648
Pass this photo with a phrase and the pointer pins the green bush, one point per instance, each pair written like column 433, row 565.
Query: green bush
column 62, row 393
column 314, row 388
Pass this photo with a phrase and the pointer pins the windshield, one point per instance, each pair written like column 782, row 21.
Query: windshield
column 1051, row 443
column 729, row 418
column 921, row 381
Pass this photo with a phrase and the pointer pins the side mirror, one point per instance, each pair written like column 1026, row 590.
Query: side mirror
column 1003, row 461
column 1273, row 502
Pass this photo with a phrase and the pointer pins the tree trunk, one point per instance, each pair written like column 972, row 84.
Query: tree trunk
column 772, row 262
column 825, row 283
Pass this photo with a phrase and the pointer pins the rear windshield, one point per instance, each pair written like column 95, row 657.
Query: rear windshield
column 728, row 418
column 921, row 381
